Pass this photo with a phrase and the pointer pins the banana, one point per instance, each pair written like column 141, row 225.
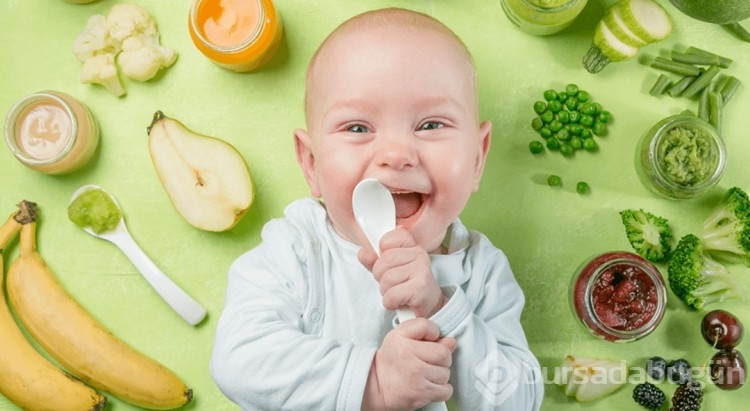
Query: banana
column 27, row 378
column 81, row 344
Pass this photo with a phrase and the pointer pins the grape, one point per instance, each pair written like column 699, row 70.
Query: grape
column 728, row 369
column 721, row 329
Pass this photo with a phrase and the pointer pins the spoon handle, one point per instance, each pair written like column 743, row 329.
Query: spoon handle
column 179, row 300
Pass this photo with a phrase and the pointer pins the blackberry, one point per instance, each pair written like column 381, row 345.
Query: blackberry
column 678, row 371
column 649, row 396
column 656, row 367
column 687, row 397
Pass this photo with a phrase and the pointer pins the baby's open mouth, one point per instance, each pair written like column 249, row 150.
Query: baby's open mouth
column 407, row 204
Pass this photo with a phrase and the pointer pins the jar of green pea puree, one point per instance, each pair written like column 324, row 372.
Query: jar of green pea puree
column 681, row 157
column 542, row 17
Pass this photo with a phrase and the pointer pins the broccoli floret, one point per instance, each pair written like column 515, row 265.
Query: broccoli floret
column 726, row 232
column 649, row 235
column 696, row 278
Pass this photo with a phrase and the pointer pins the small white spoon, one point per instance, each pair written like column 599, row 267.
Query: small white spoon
column 376, row 215
column 181, row 302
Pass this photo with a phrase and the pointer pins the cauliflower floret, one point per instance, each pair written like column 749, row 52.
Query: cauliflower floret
column 142, row 57
column 94, row 39
column 101, row 69
column 126, row 20
column 125, row 39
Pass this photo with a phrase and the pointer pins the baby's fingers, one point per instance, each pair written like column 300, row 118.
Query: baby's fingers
column 435, row 354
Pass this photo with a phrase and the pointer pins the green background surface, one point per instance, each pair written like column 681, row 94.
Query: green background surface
column 546, row 232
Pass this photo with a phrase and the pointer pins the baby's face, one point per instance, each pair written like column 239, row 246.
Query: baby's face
column 399, row 106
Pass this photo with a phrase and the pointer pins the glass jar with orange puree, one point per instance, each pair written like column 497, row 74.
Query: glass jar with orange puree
column 238, row 35
column 51, row 132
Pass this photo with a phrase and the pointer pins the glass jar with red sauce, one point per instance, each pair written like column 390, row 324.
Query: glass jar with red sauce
column 618, row 296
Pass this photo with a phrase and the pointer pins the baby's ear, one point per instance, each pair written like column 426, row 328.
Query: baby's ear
column 306, row 159
column 485, row 134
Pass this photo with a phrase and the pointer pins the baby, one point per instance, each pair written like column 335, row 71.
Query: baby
column 308, row 322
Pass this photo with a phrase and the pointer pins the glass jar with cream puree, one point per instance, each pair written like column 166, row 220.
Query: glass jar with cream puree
column 238, row 35
column 51, row 132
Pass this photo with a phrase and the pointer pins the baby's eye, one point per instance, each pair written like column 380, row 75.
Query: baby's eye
column 357, row 128
column 431, row 125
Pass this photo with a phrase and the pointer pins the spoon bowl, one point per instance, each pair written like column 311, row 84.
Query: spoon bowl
column 374, row 210
column 184, row 305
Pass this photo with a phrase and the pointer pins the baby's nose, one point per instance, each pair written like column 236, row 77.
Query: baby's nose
column 398, row 152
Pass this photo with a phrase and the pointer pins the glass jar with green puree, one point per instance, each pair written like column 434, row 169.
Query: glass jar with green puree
column 542, row 17
column 681, row 157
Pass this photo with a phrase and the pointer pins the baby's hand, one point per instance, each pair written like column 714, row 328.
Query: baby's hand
column 404, row 273
column 411, row 368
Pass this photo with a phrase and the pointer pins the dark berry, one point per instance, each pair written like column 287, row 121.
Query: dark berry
column 678, row 371
column 656, row 367
column 721, row 329
column 687, row 397
column 649, row 396
column 727, row 369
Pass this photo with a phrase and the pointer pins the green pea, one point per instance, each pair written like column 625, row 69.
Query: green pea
column 582, row 187
column 575, row 129
column 554, row 180
column 554, row 106
column 585, row 133
column 575, row 116
column 571, row 89
column 555, row 126
column 576, row 143
column 536, row 147
column 598, row 108
column 550, row 95
column 588, row 109
column 589, row 144
column 599, row 128
column 587, row 120
column 547, row 116
column 537, row 123
column 553, row 144
column 545, row 132
column 603, row 116
column 540, row 107
column 562, row 96
column 583, row 96
column 563, row 134
column 563, row 116
column 567, row 150
column 571, row 103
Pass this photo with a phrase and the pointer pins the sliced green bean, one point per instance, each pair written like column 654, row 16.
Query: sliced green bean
column 676, row 67
column 715, row 109
column 724, row 62
column 701, row 82
column 739, row 31
column 676, row 89
column 703, row 105
column 729, row 88
column 697, row 59
column 661, row 85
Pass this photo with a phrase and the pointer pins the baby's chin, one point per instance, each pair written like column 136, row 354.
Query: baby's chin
column 429, row 239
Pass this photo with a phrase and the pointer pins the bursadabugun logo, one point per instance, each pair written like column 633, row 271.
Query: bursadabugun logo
column 497, row 378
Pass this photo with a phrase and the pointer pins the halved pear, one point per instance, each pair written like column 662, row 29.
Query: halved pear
column 206, row 178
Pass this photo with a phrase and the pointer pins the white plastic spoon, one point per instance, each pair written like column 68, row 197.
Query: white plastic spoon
column 179, row 300
column 376, row 215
